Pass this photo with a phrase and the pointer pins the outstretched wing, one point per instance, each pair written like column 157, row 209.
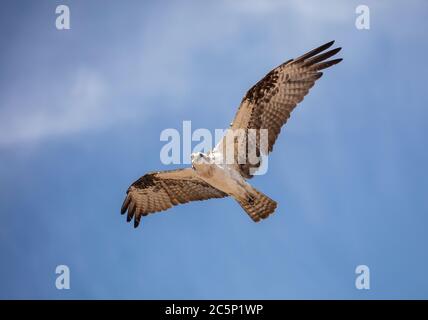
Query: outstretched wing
column 158, row 191
column 268, row 104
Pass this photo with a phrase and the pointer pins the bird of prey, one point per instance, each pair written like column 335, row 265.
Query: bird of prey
column 265, row 108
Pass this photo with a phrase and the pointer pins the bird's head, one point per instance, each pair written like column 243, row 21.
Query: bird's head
column 199, row 158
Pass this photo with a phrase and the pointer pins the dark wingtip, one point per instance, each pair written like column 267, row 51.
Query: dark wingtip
column 125, row 205
column 325, row 46
column 336, row 50
column 314, row 52
column 333, row 62
column 318, row 62
column 136, row 223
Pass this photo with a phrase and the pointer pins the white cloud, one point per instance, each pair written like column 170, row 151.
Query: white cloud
column 160, row 61
column 79, row 107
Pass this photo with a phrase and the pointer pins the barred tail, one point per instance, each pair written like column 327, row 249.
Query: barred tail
column 257, row 205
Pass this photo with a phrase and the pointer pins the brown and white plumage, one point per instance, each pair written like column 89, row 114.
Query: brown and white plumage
column 267, row 105
column 158, row 191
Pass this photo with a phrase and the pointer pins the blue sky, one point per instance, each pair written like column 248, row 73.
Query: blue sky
column 81, row 112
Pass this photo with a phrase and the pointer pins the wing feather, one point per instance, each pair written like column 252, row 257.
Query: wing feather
column 158, row 191
column 269, row 103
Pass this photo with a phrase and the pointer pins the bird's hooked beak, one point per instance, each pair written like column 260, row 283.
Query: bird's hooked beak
column 195, row 157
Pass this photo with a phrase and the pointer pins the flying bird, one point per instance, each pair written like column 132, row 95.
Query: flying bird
column 266, row 107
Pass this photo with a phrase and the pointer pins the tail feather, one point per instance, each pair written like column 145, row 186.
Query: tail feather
column 257, row 205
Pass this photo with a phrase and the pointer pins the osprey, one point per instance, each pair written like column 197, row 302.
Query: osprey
column 265, row 107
